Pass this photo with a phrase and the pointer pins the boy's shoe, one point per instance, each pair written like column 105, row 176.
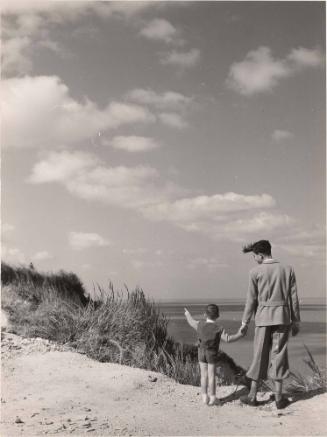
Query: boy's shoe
column 282, row 403
column 252, row 402
column 214, row 401
column 205, row 399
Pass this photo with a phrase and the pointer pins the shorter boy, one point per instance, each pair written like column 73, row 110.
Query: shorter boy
column 209, row 335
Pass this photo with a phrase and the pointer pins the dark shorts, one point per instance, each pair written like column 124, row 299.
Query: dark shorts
column 209, row 356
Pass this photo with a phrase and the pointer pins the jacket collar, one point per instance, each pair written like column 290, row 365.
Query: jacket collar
column 270, row 261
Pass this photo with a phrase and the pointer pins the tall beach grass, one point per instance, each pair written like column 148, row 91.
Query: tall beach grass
column 123, row 326
column 118, row 326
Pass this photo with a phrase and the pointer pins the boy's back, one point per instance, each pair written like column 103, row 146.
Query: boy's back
column 209, row 335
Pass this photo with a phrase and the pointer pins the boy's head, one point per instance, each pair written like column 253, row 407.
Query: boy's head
column 212, row 311
column 261, row 249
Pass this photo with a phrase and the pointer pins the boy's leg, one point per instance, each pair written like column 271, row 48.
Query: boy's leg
column 278, row 389
column 212, row 369
column 253, row 389
column 212, row 379
column 204, row 381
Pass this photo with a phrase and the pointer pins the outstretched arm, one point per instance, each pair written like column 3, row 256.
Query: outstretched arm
column 230, row 338
column 192, row 322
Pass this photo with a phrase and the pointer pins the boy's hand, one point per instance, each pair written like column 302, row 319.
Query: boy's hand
column 295, row 329
column 186, row 311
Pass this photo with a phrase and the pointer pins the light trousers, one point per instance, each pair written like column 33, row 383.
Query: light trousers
column 270, row 357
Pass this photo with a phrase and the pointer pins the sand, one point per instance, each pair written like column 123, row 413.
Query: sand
column 51, row 390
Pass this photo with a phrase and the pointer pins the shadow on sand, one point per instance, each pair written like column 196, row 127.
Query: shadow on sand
column 292, row 396
column 299, row 396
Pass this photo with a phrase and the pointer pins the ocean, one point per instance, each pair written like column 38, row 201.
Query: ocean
column 312, row 333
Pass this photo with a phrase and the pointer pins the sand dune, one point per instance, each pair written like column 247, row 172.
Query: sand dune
column 50, row 390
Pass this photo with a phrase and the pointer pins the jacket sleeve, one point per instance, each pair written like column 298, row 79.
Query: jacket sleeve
column 251, row 299
column 293, row 299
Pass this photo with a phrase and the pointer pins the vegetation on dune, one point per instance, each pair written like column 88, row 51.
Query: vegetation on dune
column 314, row 381
column 124, row 327
column 67, row 285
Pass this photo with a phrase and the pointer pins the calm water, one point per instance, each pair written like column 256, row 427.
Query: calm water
column 313, row 332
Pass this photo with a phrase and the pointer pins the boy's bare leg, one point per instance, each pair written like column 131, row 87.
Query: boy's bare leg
column 253, row 389
column 204, row 381
column 278, row 389
column 212, row 379
column 212, row 383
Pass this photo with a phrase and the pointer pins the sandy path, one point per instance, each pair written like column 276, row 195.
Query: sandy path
column 62, row 393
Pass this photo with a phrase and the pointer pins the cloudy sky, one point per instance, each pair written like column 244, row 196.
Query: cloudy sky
column 146, row 142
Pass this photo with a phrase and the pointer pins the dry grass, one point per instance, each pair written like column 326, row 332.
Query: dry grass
column 124, row 327
column 313, row 381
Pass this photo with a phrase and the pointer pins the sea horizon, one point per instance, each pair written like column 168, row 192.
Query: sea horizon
column 232, row 301
column 312, row 329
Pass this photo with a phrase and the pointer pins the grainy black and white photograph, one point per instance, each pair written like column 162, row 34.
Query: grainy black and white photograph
column 163, row 258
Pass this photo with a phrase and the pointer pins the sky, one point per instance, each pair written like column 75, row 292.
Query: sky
column 144, row 143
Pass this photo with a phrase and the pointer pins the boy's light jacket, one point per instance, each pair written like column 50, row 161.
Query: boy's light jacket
column 272, row 295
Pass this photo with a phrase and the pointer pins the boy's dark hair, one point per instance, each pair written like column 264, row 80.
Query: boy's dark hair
column 212, row 311
column 262, row 246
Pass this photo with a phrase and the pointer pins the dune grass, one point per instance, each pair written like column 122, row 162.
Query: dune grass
column 124, row 327
column 66, row 284
column 313, row 381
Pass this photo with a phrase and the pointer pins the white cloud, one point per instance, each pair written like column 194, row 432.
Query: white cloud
column 280, row 135
column 14, row 57
column 41, row 256
column 136, row 251
column 142, row 264
column 261, row 222
column 166, row 100
column 58, row 10
column 35, row 19
column 182, row 59
column 53, row 46
column 172, row 120
column 260, row 72
column 309, row 242
column 12, row 255
column 62, row 166
column 134, row 143
column 53, row 118
column 207, row 207
column 159, row 30
column 229, row 216
column 306, row 58
column 87, row 178
column 82, row 240
column 211, row 264
column 6, row 228
column 303, row 250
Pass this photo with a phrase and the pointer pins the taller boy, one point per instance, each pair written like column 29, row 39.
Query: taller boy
column 272, row 297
